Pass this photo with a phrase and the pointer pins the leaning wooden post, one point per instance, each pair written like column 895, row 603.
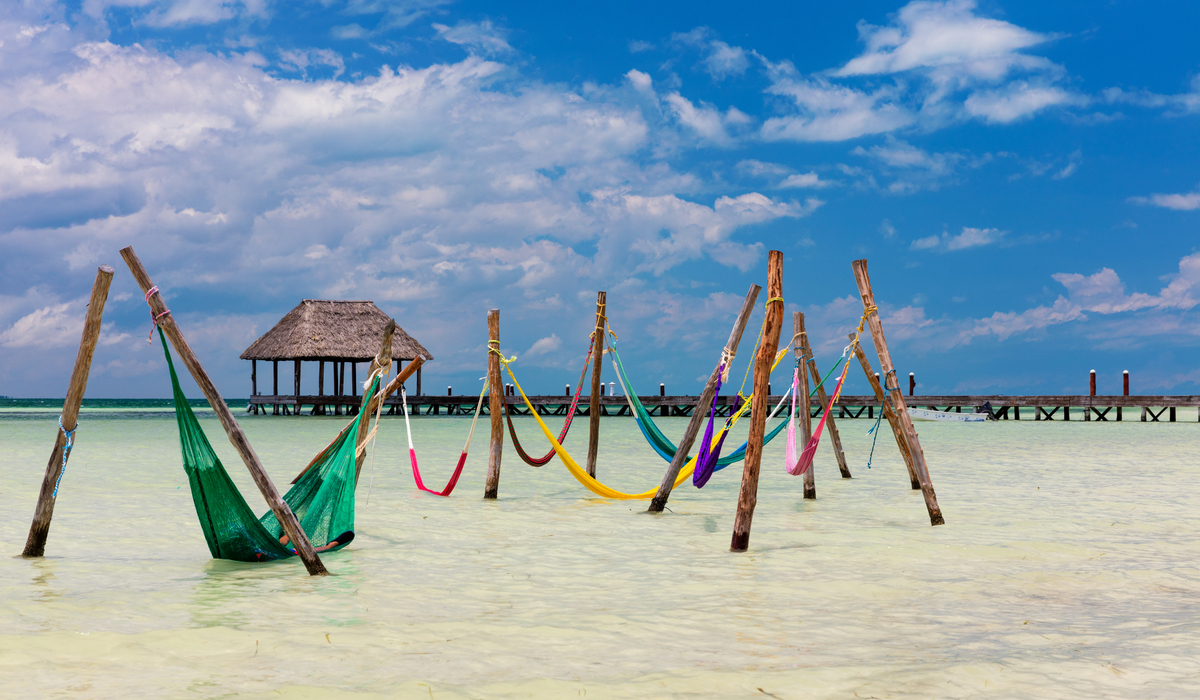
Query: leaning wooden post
column 35, row 543
column 382, row 362
column 283, row 513
column 800, row 343
column 835, row 438
column 760, row 405
column 659, row 502
column 889, row 412
column 893, row 389
column 597, row 362
column 495, row 405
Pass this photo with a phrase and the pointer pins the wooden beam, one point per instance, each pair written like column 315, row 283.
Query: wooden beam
column 889, row 412
column 659, row 502
column 892, row 386
column 760, row 405
column 283, row 513
column 495, row 402
column 800, row 350
column 382, row 363
column 835, row 436
column 369, row 405
column 39, row 529
column 597, row 387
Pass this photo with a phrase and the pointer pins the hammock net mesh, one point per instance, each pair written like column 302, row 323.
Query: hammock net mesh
column 322, row 499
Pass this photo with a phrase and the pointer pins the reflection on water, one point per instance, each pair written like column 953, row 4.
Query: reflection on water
column 1065, row 570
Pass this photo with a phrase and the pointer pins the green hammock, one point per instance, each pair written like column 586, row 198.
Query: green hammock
column 322, row 499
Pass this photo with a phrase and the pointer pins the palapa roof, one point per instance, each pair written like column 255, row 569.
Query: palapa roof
column 332, row 330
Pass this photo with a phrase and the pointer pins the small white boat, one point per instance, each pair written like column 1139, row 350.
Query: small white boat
column 944, row 417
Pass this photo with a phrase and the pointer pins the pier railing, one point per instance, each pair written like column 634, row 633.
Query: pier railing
column 1038, row 408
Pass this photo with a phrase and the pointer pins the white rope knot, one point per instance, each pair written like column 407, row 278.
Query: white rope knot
column 727, row 356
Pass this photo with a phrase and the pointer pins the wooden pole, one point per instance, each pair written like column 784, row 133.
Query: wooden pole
column 369, row 405
column 282, row 511
column 893, row 389
column 761, row 404
column 835, row 437
column 912, row 382
column 495, row 405
column 419, row 392
column 296, row 407
column 1125, row 389
column 382, row 361
column 889, row 412
column 800, row 350
column 254, row 377
column 39, row 529
column 597, row 387
column 659, row 502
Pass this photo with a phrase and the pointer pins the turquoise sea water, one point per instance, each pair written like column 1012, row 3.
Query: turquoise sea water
column 1066, row 569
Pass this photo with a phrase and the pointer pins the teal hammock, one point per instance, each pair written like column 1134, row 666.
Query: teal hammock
column 322, row 499
column 661, row 443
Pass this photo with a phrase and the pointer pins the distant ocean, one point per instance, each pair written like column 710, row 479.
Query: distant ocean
column 108, row 408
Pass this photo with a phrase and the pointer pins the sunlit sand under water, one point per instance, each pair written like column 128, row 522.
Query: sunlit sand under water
column 1067, row 568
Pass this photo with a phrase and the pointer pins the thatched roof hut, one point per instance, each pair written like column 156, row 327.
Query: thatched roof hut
column 347, row 331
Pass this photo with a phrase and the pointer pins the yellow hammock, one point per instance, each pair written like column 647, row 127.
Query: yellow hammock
column 590, row 482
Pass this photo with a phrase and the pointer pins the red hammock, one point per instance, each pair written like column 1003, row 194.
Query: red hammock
column 545, row 459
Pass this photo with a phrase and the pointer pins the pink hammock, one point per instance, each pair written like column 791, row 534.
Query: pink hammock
column 462, row 459
column 795, row 467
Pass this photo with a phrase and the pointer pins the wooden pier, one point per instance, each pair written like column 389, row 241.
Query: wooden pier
column 1037, row 408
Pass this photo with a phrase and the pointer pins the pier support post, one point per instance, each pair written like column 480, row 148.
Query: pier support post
column 39, row 529
column 1124, row 389
column 706, row 396
column 889, row 412
column 597, row 387
column 283, row 512
column 495, row 405
column 760, row 405
column 888, row 369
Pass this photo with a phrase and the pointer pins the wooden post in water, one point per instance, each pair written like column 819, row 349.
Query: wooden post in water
column 296, row 407
column 912, row 382
column 39, row 529
column 835, row 437
column 801, row 351
column 894, row 393
column 1087, row 412
column 705, row 401
column 1125, row 389
column 597, row 387
column 889, row 412
column 760, row 405
column 382, row 362
column 283, row 513
column 496, row 401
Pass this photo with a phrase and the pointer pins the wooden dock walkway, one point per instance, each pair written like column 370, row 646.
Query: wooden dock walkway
column 1038, row 408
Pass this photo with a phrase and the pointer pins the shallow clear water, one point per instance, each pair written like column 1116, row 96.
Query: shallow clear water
column 1067, row 568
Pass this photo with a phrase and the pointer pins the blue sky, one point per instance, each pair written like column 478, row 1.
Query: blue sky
column 1022, row 177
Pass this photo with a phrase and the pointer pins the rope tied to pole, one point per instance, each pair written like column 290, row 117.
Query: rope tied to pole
column 154, row 319
column 891, row 372
column 70, row 442
column 771, row 300
column 496, row 350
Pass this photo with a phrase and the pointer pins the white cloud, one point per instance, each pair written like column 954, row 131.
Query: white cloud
column 482, row 37
column 170, row 13
column 724, row 61
column 1189, row 201
column 968, row 238
column 640, row 81
column 940, row 35
column 887, row 229
column 705, row 120
column 48, row 327
column 549, row 344
column 804, row 180
column 1016, row 101
column 830, row 112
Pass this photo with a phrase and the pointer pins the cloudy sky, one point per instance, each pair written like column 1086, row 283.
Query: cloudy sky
column 1022, row 176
